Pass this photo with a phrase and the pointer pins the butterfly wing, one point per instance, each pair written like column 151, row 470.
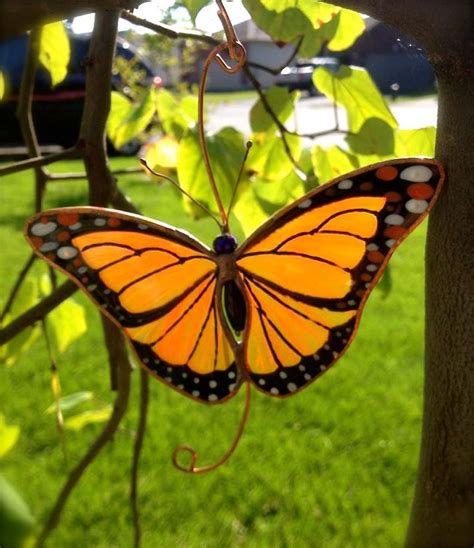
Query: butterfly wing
column 308, row 271
column 157, row 283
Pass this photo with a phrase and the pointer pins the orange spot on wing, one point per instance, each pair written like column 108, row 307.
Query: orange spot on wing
column 114, row 222
column 375, row 257
column 36, row 241
column 63, row 236
column 365, row 277
column 394, row 232
column 386, row 173
column 67, row 219
column 420, row 191
column 393, row 196
column 366, row 186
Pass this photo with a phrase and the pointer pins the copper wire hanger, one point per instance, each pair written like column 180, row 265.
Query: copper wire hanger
column 237, row 54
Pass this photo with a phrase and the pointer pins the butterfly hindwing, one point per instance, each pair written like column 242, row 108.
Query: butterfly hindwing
column 308, row 271
column 157, row 283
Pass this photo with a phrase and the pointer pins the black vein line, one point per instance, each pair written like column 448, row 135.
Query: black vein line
column 261, row 312
column 203, row 327
column 183, row 315
column 131, row 248
column 157, row 271
column 297, row 254
column 275, row 298
column 318, row 228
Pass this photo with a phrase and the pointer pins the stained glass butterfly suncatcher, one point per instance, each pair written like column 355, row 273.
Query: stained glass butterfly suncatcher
column 276, row 311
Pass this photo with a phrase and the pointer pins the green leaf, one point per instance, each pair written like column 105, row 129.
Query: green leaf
column 69, row 402
column 16, row 520
column 194, row 7
column 415, row 142
column 8, row 436
column 316, row 22
column 268, row 157
column 349, row 25
column 354, row 89
column 281, row 102
column 68, row 323
column 332, row 162
column 176, row 116
column 162, row 156
column 77, row 422
column 25, row 299
column 277, row 194
column 55, row 51
column 127, row 120
column 226, row 149
column 375, row 137
column 248, row 212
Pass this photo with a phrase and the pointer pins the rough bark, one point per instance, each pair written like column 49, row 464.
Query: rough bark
column 443, row 508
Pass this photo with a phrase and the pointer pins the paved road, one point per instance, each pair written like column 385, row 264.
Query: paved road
column 316, row 114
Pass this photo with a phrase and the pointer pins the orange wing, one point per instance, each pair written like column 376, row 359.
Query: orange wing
column 307, row 273
column 157, row 283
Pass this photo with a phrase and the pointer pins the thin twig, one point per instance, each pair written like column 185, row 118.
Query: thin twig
column 275, row 71
column 121, row 360
column 75, row 176
column 39, row 161
column 16, row 287
column 137, row 447
column 37, row 312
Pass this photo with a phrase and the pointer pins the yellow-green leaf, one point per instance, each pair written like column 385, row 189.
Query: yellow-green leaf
column 282, row 104
column 77, row 422
column 127, row 120
column 68, row 323
column 8, row 436
column 16, row 519
column 331, row 163
column 354, row 89
column 55, row 51
column 69, row 402
column 162, row 155
column 349, row 26
column 2, row 86
column 268, row 157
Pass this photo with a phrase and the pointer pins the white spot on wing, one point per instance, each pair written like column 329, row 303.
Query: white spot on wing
column 416, row 174
column 345, row 185
column 416, row 206
column 67, row 252
column 41, row 229
column 305, row 204
column 394, row 219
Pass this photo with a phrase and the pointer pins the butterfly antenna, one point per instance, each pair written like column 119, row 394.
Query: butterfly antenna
column 176, row 184
column 239, row 178
column 192, row 468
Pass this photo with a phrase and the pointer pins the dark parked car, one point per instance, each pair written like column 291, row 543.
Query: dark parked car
column 299, row 75
column 56, row 112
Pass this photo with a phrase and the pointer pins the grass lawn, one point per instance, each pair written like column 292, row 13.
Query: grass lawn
column 334, row 466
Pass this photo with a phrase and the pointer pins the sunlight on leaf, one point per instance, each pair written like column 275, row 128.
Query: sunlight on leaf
column 78, row 422
column 332, row 162
column 55, row 51
column 268, row 157
column 25, row 299
column 9, row 435
column 162, row 156
column 282, row 103
column 68, row 323
column 194, row 7
column 226, row 149
column 354, row 89
column 2, row 86
column 127, row 120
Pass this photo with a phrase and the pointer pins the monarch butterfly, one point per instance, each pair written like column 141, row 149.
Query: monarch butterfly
column 276, row 311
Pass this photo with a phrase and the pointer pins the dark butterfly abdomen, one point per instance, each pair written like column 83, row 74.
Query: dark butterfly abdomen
column 234, row 306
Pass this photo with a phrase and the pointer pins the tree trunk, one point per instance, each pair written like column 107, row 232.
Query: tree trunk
column 443, row 508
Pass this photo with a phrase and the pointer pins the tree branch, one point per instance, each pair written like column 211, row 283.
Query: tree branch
column 16, row 287
column 39, row 161
column 37, row 312
column 137, row 447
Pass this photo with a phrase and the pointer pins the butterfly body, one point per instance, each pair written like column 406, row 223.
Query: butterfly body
column 276, row 311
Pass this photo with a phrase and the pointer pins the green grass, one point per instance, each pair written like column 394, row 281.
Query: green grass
column 230, row 96
column 333, row 466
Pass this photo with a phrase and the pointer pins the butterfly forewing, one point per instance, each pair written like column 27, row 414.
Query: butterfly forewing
column 157, row 283
column 307, row 272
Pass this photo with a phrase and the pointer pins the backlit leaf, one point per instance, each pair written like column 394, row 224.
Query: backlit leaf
column 16, row 520
column 226, row 149
column 276, row 194
column 55, row 51
column 354, row 89
column 415, row 142
column 331, row 163
column 25, row 299
column 194, row 7
column 282, row 104
column 268, row 157
column 8, row 436
column 67, row 403
column 162, row 156
column 349, row 25
column 79, row 421
column 127, row 120
column 67, row 322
